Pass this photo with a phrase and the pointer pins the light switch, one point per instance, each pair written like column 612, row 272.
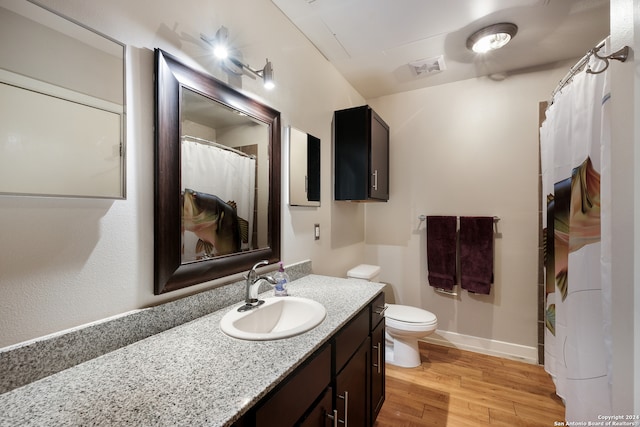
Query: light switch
column 316, row 232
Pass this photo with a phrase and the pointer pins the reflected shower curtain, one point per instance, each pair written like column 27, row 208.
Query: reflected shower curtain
column 574, row 149
column 222, row 173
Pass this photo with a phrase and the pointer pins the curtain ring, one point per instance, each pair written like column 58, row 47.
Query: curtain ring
column 594, row 52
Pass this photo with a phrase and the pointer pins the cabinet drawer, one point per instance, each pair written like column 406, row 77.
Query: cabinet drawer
column 290, row 401
column 350, row 337
column 377, row 310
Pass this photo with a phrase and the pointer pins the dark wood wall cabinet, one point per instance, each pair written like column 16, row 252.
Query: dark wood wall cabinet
column 342, row 383
column 361, row 147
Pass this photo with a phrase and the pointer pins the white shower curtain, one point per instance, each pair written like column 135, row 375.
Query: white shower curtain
column 574, row 149
column 223, row 173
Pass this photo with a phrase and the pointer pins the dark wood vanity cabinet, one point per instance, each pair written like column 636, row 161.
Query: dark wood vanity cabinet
column 342, row 383
column 361, row 140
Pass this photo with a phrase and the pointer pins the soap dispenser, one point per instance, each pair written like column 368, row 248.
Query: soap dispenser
column 281, row 279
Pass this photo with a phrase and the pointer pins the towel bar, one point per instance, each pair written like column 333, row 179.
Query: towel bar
column 446, row 291
column 424, row 218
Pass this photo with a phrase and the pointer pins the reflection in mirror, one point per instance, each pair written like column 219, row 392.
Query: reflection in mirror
column 62, row 106
column 304, row 169
column 217, row 201
column 221, row 179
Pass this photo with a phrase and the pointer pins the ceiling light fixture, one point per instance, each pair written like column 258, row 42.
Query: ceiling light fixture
column 223, row 51
column 492, row 37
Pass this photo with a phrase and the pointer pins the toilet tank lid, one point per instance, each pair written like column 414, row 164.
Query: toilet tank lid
column 364, row 271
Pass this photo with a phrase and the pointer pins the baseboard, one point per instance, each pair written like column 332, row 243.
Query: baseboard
column 503, row 349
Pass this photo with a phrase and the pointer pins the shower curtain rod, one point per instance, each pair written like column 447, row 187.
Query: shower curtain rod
column 620, row 55
column 217, row 145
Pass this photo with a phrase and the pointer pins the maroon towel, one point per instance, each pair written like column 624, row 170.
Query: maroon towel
column 441, row 251
column 476, row 254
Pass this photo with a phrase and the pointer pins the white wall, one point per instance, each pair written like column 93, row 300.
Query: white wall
column 625, row 182
column 66, row 262
column 465, row 148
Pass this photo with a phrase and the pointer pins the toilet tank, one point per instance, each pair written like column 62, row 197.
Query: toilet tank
column 365, row 271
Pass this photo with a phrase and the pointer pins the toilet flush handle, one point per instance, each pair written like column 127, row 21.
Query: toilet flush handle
column 381, row 310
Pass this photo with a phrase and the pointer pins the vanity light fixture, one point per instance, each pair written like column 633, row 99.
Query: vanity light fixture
column 223, row 51
column 492, row 37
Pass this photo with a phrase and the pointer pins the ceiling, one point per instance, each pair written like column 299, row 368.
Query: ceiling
column 372, row 42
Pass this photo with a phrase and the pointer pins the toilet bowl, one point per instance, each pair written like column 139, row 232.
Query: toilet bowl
column 405, row 325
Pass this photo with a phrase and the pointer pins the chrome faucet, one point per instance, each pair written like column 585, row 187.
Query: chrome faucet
column 251, row 300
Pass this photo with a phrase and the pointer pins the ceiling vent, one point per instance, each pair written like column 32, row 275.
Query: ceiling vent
column 428, row 66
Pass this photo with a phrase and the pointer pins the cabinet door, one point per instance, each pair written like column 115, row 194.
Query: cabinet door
column 351, row 153
column 291, row 400
column 352, row 388
column 379, row 168
column 350, row 338
column 377, row 370
column 321, row 413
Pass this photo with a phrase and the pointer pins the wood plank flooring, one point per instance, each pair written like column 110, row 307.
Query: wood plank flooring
column 460, row 388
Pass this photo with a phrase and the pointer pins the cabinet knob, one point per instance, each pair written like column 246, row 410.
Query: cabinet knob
column 375, row 179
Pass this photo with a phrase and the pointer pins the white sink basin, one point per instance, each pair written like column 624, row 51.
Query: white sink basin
column 278, row 317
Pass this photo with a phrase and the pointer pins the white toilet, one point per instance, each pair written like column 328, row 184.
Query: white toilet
column 404, row 324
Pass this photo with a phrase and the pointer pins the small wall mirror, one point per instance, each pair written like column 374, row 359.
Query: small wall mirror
column 217, row 201
column 62, row 106
column 304, row 168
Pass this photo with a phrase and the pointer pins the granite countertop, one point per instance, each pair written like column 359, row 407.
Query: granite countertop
column 192, row 374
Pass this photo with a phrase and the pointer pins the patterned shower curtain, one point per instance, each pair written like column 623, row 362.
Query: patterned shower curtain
column 220, row 173
column 574, row 149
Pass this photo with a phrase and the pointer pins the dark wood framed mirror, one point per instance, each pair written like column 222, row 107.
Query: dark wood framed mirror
column 190, row 101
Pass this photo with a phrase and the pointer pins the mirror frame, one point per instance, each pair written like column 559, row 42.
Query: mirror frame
column 169, row 272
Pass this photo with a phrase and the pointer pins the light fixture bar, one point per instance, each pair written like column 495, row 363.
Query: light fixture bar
column 221, row 50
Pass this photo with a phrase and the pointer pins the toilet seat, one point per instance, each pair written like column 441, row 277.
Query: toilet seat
column 409, row 318
column 408, row 314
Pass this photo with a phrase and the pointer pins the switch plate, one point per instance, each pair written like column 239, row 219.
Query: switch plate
column 316, row 232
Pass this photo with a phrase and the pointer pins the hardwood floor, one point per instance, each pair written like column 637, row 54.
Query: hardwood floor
column 460, row 388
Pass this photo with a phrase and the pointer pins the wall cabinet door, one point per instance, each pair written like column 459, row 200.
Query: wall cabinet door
column 379, row 164
column 352, row 388
column 361, row 140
